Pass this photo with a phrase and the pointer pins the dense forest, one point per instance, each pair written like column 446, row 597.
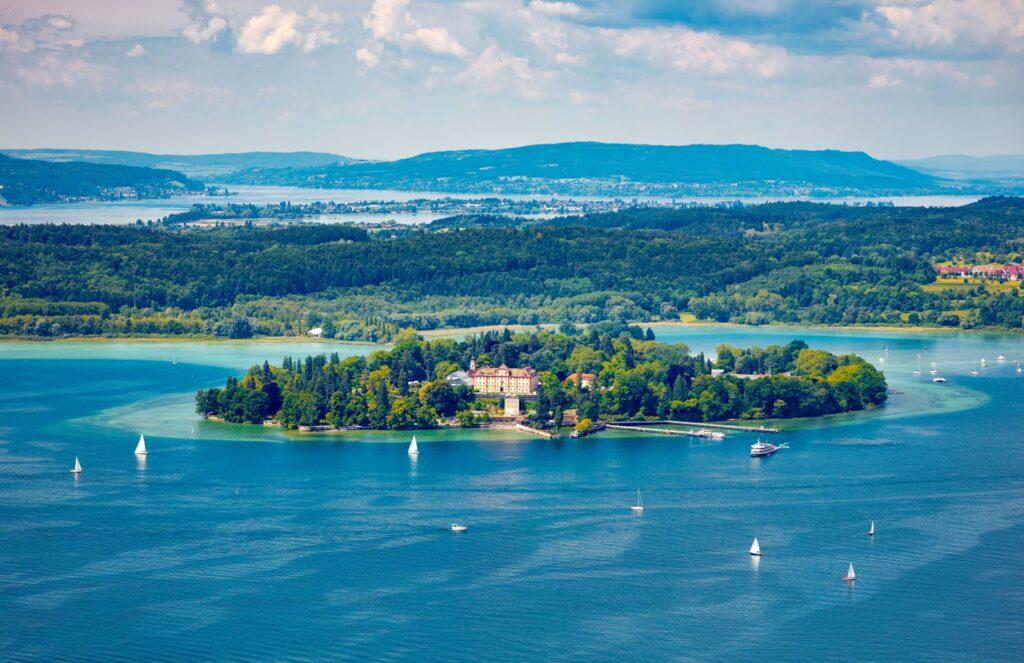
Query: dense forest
column 786, row 262
column 32, row 181
column 635, row 376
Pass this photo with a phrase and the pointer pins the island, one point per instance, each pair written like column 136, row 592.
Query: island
column 544, row 379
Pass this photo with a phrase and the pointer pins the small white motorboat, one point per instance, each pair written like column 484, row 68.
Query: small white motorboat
column 456, row 527
column 850, row 575
column 1000, row 358
column 77, row 469
column 639, row 506
column 140, row 448
column 755, row 549
column 938, row 379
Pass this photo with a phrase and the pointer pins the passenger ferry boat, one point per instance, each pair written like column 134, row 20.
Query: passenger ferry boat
column 762, row 448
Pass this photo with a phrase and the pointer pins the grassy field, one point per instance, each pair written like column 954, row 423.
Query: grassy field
column 957, row 283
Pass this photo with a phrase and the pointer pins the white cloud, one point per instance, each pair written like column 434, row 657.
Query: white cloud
column 697, row 52
column 555, row 8
column 274, row 28
column 390, row 22
column 270, row 31
column 46, row 31
column 9, row 38
column 387, row 17
column 956, row 25
column 367, row 58
column 494, row 71
column 136, row 51
column 883, row 81
column 57, row 71
column 438, row 40
column 206, row 21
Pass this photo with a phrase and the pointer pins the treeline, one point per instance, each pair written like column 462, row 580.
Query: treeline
column 787, row 262
column 33, row 181
column 635, row 376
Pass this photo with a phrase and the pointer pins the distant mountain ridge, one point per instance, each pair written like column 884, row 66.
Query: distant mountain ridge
column 203, row 166
column 582, row 167
column 32, row 181
column 961, row 166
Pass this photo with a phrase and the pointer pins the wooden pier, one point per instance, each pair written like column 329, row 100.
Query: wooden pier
column 697, row 424
column 666, row 431
column 536, row 431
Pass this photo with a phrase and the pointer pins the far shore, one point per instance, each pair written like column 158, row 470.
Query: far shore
column 453, row 332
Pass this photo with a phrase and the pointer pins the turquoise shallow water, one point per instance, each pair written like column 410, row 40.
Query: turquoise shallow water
column 240, row 542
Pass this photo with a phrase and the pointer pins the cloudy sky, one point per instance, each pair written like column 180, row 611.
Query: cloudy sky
column 388, row 78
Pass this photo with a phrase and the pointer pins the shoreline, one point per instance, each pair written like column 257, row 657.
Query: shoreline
column 453, row 332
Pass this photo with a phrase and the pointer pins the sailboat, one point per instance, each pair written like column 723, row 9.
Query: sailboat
column 77, row 469
column 755, row 549
column 414, row 449
column 639, row 506
column 850, row 575
column 140, row 448
column 871, row 532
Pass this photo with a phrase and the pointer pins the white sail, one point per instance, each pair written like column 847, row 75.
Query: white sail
column 871, row 532
column 140, row 448
column 639, row 506
column 755, row 548
column 414, row 449
column 78, row 467
column 850, row 575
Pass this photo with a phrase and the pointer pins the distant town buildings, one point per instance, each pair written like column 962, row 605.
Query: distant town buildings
column 503, row 380
column 1007, row 272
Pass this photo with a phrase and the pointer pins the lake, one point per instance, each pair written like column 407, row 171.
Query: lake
column 127, row 211
column 244, row 542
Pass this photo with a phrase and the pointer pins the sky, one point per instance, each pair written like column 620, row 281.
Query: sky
column 393, row 78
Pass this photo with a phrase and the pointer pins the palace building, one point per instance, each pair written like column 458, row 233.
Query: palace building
column 503, row 380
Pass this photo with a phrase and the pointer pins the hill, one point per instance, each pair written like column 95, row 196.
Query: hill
column 960, row 166
column 609, row 168
column 203, row 166
column 30, row 181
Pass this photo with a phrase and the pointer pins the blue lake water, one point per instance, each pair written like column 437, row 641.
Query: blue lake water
column 127, row 211
column 239, row 542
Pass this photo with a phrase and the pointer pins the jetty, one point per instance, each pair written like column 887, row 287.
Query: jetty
column 537, row 431
column 638, row 425
column 667, row 431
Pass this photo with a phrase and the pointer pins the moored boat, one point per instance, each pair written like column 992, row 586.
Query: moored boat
column 456, row 527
